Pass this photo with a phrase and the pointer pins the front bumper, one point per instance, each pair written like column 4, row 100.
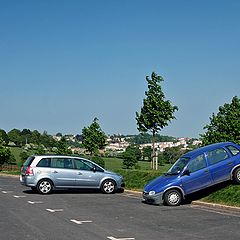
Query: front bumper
column 154, row 199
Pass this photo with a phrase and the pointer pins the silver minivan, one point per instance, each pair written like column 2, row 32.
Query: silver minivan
column 43, row 173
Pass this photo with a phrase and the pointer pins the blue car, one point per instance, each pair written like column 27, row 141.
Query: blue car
column 194, row 171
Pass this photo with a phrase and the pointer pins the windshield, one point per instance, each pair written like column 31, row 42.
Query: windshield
column 178, row 166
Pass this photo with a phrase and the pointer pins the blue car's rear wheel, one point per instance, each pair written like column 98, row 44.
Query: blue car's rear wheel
column 236, row 175
column 173, row 198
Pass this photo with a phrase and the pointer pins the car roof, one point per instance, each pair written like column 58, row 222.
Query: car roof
column 56, row 156
column 207, row 148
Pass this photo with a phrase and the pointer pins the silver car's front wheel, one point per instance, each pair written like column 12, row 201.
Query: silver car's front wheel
column 45, row 186
column 108, row 186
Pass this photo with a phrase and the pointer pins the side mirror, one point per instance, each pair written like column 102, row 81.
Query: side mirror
column 94, row 169
column 186, row 172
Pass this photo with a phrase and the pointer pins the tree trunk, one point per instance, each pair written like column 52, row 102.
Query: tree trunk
column 153, row 151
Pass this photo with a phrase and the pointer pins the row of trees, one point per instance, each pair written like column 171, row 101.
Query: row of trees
column 20, row 138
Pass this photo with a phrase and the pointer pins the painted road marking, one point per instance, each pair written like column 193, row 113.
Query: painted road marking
column 54, row 210
column 7, row 192
column 80, row 222
column 16, row 196
column 34, row 202
column 113, row 238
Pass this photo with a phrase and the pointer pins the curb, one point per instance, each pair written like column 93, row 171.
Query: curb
column 216, row 206
column 9, row 175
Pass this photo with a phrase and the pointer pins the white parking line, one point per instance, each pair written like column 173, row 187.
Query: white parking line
column 54, row 210
column 7, row 192
column 16, row 196
column 34, row 202
column 113, row 238
column 80, row 222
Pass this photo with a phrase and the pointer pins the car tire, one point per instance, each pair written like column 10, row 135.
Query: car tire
column 45, row 186
column 173, row 198
column 108, row 186
column 236, row 175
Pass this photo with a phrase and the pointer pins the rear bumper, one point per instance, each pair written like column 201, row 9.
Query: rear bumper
column 27, row 180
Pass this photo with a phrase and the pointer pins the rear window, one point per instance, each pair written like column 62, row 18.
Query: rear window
column 234, row 151
column 45, row 162
column 29, row 161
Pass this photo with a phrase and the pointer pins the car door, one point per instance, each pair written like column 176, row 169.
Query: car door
column 198, row 176
column 63, row 173
column 88, row 175
column 220, row 164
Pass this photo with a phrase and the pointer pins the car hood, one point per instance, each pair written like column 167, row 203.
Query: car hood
column 159, row 182
column 112, row 173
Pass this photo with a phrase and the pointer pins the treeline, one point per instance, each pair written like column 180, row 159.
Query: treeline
column 147, row 138
column 20, row 138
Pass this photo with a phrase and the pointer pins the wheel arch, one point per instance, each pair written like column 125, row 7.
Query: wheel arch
column 45, row 178
column 174, row 188
column 107, row 178
column 232, row 171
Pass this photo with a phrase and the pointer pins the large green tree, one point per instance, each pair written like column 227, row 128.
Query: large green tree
column 225, row 125
column 62, row 147
column 156, row 112
column 94, row 137
column 15, row 136
column 4, row 137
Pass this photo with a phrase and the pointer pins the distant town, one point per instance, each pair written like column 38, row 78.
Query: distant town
column 118, row 144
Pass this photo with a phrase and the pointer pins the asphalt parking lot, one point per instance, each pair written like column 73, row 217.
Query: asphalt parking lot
column 91, row 215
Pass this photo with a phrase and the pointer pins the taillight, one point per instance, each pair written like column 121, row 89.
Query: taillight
column 29, row 171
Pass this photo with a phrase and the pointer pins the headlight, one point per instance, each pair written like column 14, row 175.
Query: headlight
column 151, row 193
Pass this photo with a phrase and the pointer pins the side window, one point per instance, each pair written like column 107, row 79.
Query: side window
column 68, row 163
column 81, row 165
column 234, row 151
column 57, row 163
column 62, row 163
column 197, row 163
column 217, row 155
column 45, row 162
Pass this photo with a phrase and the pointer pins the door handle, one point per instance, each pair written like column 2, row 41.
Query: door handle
column 230, row 163
column 79, row 173
column 55, row 171
column 206, row 171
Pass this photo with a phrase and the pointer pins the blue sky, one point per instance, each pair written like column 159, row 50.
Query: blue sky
column 64, row 62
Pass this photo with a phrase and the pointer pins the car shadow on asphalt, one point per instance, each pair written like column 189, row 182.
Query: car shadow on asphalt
column 71, row 191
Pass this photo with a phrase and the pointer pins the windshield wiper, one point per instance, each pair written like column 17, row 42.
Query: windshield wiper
column 170, row 173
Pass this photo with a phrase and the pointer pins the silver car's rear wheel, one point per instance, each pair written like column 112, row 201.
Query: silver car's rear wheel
column 45, row 186
column 108, row 186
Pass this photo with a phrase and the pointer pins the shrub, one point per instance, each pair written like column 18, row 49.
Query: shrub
column 98, row 160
